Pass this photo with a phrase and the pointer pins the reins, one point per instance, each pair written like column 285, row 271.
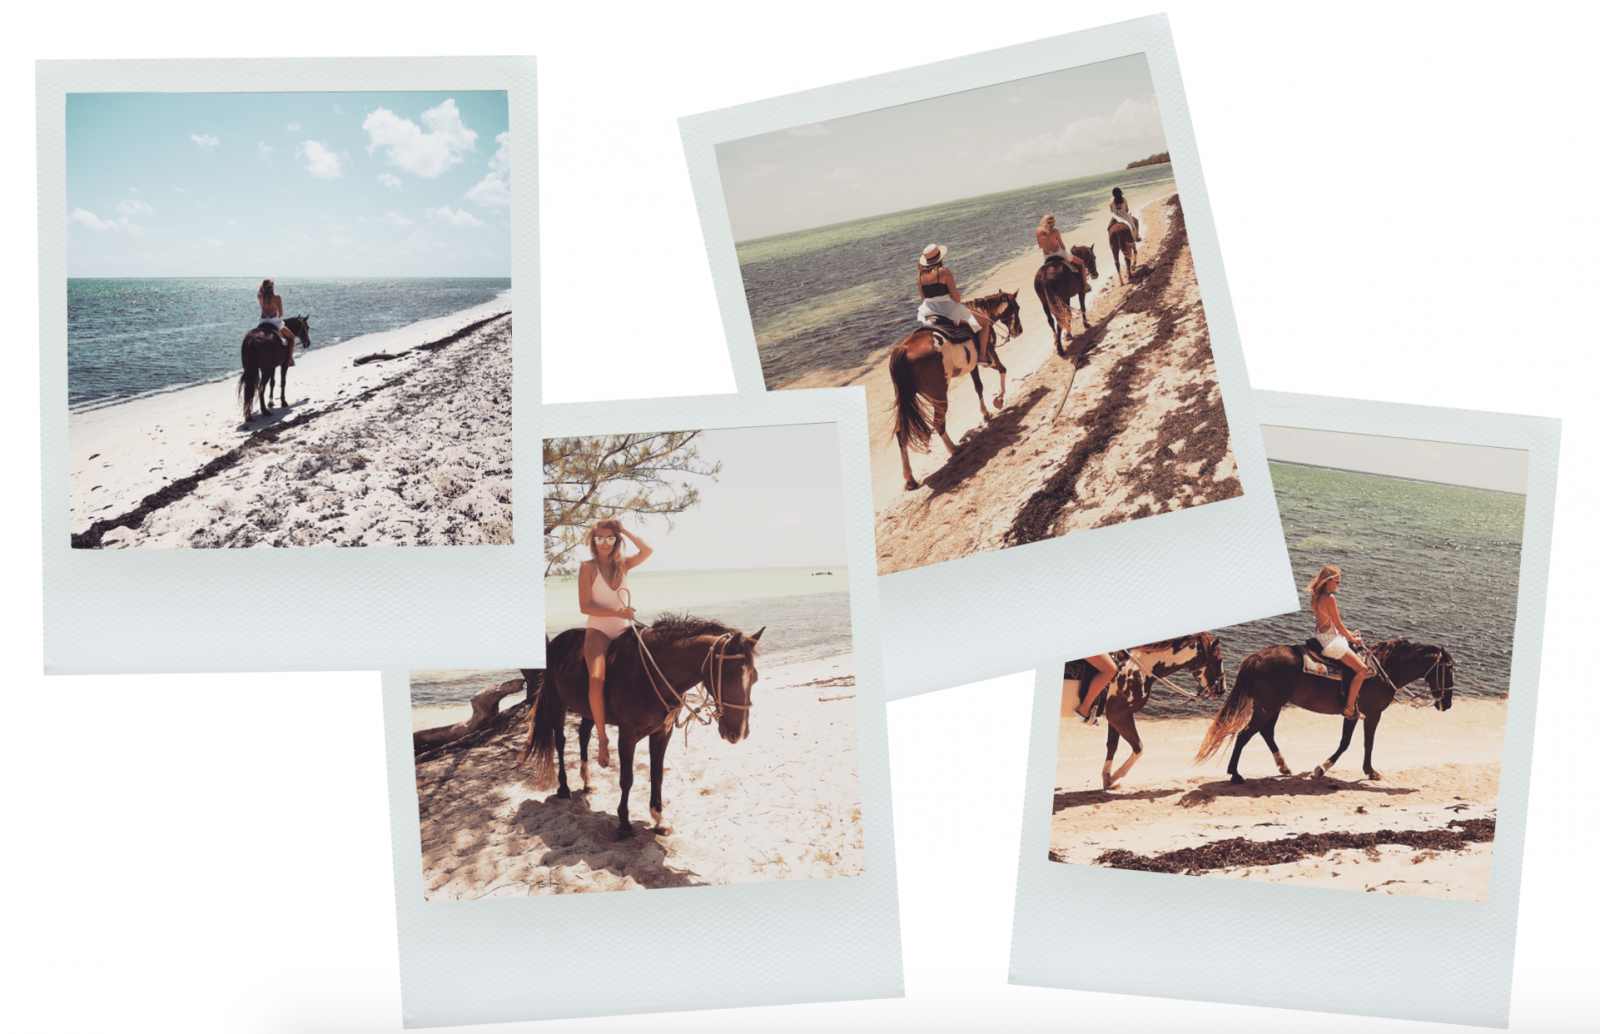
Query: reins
column 679, row 710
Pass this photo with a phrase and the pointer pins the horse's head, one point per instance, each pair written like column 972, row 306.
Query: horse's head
column 1086, row 253
column 1010, row 313
column 1442, row 679
column 300, row 326
column 1213, row 676
column 735, row 670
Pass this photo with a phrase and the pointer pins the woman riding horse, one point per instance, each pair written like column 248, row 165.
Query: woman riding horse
column 1121, row 214
column 1336, row 639
column 601, row 583
column 272, row 314
column 936, row 286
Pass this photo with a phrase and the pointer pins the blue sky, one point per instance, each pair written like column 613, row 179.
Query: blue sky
column 288, row 184
column 1043, row 129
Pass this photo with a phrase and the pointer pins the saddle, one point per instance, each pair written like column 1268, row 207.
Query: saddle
column 953, row 332
column 1314, row 662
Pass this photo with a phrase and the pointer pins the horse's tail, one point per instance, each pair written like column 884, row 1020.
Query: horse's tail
column 545, row 723
column 249, row 380
column 1235, row 712
column 913, row 413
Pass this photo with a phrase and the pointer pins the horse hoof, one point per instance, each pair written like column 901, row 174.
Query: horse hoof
column 625, row 831
column 1374, row 776
column 1237, row 778
column 1316, row 773
column 999, row 402
column 663, row 831
column 912, row 486
column 563, row 794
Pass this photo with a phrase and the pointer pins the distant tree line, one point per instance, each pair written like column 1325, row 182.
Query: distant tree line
column 1155, row 159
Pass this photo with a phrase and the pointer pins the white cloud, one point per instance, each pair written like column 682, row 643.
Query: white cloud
column 86, row 218
column 397, row 219
column 205, row 140
column 340, row 240
column 1132, row 123
column 294, row 127
column 426, row 154
column 494, row 190
column 133, row 206
column 213, row 242
column 233, row 222
column 263, row 151
column 460, row 217
column 391, row 181
column 322, row 163
column 815, row 129
column 133, row 190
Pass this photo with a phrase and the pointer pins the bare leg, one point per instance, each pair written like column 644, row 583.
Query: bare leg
column 1104, row 669
column 595, row 644
column 1353, row 662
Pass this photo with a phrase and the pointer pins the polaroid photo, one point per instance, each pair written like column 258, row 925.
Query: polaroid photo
column 1314, row 793
column 1033, row 222
column 276, row 307
column 710, row 593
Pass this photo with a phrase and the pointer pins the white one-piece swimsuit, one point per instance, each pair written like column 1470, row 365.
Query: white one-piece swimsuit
column 603, row 595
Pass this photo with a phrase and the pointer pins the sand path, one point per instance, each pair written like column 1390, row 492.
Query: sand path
column 411, row 451
column 1436, row 768
column 784, row 804
column 1143, row 430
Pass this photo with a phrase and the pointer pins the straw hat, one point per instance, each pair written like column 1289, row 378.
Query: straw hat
column 933, row 254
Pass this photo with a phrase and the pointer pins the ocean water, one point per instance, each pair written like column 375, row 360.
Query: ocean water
column 128, row 337
column 1433, row 563
column 443, row 687
column 829, row 297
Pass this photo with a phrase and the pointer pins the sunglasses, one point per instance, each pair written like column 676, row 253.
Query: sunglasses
column 606, row 540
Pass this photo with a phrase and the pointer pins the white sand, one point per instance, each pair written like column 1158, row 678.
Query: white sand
column 783, row 804
column 426, row 461
column 1435, row 767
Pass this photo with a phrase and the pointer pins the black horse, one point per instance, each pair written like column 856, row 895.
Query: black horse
column 262, row 352
column 1056, row 282
column 1268, row 679
column 644, row 693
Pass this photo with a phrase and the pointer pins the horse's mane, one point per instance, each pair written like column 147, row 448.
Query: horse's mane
column 678, row 627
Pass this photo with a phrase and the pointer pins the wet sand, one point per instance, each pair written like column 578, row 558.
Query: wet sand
column 784, row 804
column 1336, row 831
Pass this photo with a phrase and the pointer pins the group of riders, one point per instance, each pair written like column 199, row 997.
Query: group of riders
column 1338, row 644
column 937, row 285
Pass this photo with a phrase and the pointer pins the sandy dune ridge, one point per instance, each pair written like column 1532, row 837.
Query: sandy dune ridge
column 784, row 804
column 1439, row 789
column 1142, row 431
column 415, row 450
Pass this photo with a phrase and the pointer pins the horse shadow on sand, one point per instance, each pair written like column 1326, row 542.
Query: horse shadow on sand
column 575, row 833
column 983, row 443
column 1082, row 798
column 277, row 416
column 1300, row 785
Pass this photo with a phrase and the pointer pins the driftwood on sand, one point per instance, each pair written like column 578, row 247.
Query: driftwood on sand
column 485, row 708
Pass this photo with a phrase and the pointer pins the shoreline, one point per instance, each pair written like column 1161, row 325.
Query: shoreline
column 179, row 469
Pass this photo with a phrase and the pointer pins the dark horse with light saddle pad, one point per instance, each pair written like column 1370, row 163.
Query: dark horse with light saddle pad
column 644, row 695
column 1268, row 679
column 1056, row 282
column 262, row 352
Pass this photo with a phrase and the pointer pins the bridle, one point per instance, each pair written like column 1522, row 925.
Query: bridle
column 679, row 710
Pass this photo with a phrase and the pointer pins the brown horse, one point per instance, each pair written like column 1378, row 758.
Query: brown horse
column 1200, row 653
column 1056, row 282
column 262, row 352
column 648, row 673
column 922, row 370
column 1122, row 247
column 1268, row 679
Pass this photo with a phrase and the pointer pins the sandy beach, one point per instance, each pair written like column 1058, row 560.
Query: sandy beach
column 414, row 450
column 784, row 804
column 1437, row 768
column 1142, row 429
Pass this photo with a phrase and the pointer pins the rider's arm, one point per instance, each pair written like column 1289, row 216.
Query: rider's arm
column 948, row 279
column 1338, row 622
column 639, row 544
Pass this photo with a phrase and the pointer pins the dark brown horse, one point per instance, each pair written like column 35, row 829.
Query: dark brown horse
column 262, row 352
column 922, row 371
column 1268, row 679
column 1122, row 247
column 644, row 693
column 1056, row 282
column 1200, row 653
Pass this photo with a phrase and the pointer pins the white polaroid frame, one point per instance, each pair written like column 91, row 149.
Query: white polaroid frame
column 171, row 610
column 1081, row 593
column 1299, row 947
column 768, row 943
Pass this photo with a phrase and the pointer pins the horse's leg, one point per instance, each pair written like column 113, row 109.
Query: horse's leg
column 1371, row 731
column 625, row 745
column 977, row 385
column 264, row 392
column 585, row 728
column 1272, row 744
column 1240, row 741
column 658, row 758
column 937, row 389
column 1131, row 733
column 994, row 357
column 1043, row 291
column 905, row 463
column 563, row 791
column 1112, row 739
column 1344, row 744
column 283, row 385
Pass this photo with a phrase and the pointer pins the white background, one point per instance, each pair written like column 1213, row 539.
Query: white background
column 1403, row 195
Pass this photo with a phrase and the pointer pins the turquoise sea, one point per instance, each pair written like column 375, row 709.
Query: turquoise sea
column 829, row 297
column 1433, row 563
column 128, row 337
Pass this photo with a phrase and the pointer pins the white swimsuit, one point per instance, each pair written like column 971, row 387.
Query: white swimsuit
column 1334, row 645
column 603, row 595
column 273, row 321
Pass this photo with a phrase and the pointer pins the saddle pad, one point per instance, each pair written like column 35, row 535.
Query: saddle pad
column 1312, row 665
column 948, row 329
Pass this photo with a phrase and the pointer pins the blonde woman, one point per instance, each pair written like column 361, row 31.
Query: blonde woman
column 272, row 313
column 1104, row 669
column 1336, row 639
column 602, row 580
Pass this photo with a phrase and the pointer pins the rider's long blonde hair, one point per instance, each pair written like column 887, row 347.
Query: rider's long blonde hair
column 617, row 570
column 265, row 291
column 1328, row 573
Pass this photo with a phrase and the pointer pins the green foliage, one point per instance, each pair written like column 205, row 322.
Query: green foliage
column 1155, row 159
column 593, row 478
